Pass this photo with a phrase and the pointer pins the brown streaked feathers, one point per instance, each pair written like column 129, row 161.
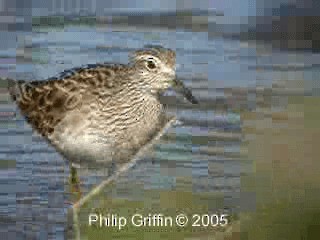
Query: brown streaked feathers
column 102, row 112
column 45, row 103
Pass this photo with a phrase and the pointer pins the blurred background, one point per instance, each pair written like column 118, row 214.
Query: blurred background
column 249, row 149
column 290, row 24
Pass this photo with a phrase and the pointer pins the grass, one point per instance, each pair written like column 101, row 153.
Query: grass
column 62, row 21
column 280, row 196
column 7, row 164
column 285, row 184
column 168, row 203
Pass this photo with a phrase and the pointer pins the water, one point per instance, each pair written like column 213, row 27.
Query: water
column 34, row 177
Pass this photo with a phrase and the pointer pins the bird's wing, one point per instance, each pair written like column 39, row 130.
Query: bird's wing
column 44, row 104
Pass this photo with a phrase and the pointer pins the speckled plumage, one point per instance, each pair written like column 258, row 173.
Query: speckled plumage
column 102, row 112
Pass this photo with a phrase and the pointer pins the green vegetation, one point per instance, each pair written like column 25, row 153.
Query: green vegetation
column 7, row 164
column 285, row 182
column 44, row 21
column 282, row 187
column 168, row 203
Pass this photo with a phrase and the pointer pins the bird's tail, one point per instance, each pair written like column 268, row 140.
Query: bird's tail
column 15, row 88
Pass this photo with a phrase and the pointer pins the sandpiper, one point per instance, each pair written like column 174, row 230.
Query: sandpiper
column 101, row 113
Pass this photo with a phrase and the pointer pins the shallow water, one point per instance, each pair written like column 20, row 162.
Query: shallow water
column 34, row 177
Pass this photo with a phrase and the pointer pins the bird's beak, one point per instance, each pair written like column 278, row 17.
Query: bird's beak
column 179, row 87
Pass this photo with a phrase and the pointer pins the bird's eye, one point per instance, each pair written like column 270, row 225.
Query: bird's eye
column 151, row 65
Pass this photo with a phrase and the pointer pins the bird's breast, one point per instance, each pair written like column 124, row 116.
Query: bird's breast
column 114, row 134
column 143, row 122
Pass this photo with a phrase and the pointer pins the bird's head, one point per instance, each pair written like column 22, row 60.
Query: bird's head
column 155, row 67
column 156, row 70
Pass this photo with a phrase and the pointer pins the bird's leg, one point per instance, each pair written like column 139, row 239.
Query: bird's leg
column 112, row 168
column 74, row 183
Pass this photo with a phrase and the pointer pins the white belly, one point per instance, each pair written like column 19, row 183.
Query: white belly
column 81, row 144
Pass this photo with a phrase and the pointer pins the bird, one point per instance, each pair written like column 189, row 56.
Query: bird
column 104, row 112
